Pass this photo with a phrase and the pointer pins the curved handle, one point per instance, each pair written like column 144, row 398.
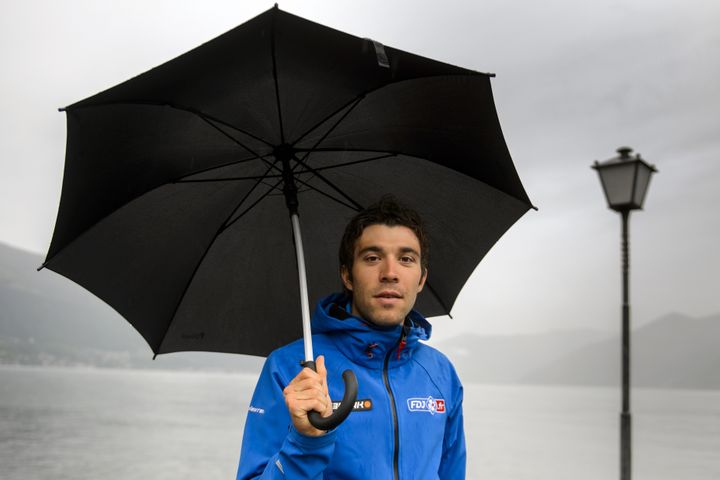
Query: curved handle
column 346, row 406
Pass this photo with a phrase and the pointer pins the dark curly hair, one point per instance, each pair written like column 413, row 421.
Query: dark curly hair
column 387, row 211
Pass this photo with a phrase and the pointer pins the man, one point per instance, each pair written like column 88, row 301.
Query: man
column 407, row 421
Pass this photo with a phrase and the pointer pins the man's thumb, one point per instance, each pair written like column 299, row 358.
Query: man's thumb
column 320, row 364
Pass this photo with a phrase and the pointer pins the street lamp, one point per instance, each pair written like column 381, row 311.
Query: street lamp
column 625, row 180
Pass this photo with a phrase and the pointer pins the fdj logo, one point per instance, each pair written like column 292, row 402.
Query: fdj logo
column 429, row 405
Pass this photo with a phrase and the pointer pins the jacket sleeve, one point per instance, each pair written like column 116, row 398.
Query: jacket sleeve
column 452, row 464
column 271, row 447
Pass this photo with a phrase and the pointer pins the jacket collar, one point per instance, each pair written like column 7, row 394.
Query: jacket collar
column 364, row 343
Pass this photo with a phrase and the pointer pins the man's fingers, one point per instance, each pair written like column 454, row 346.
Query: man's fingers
column 320, row 364
column 305, row 379
column 322, row 371
column 305, row 384
column 305, row 390
column 300, row 403
column 300, row 407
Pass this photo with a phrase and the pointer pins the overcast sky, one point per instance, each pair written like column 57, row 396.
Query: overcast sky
column 575, row 80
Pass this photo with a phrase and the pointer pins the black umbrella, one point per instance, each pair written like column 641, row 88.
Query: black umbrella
column 178, row 182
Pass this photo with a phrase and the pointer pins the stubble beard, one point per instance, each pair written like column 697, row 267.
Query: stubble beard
column 381, row 317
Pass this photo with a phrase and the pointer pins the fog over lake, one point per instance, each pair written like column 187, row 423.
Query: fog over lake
column 128, row 424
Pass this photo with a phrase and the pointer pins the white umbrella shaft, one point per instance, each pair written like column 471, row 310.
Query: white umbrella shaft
column 302, row 277
column 351, row 385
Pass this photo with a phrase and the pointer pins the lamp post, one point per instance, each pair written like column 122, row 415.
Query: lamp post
column 625, row 180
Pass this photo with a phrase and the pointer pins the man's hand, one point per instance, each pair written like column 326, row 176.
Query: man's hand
column 308, row 391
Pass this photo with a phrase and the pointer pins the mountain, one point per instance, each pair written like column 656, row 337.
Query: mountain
column 675, row 351
column 502, row 359
column 46, row 319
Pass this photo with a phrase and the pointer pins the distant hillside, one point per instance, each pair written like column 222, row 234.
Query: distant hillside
column 675, row 351
column 46, row 319
column 510, row 359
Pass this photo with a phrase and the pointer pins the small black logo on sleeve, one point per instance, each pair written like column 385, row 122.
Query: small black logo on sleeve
column 360, row 405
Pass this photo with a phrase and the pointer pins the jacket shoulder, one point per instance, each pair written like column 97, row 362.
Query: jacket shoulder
column 285, row 362
column 290, row 357
column 432, row 354
column 439, row 368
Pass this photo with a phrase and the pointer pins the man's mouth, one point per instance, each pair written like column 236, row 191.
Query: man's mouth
column 388, row 298
column 388, row 294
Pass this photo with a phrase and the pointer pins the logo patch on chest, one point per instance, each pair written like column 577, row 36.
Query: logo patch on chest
column 428, row 405
column 360, row 405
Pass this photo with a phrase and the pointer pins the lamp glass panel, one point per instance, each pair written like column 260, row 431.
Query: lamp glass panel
column 641, row 187
column 617, row 180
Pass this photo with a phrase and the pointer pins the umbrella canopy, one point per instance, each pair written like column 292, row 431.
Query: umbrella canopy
column 173, row 209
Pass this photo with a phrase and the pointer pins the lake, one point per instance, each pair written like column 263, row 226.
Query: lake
column 66, row 423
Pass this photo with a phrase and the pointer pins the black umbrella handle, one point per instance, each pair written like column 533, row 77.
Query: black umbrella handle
column 346, row 405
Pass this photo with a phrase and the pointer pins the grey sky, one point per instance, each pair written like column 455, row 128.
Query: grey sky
column 575, row 80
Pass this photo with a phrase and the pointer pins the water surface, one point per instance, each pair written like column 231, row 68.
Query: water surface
column 128, row 424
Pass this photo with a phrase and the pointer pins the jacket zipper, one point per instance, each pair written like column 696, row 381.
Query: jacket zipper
column 396, row 451
column 396, row 429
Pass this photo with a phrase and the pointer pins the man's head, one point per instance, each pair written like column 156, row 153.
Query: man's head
column 383, row 261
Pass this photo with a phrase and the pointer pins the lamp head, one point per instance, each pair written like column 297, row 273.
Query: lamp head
column 625, row 180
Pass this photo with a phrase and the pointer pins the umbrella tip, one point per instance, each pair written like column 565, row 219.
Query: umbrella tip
column 41, row 267
column 276, row 6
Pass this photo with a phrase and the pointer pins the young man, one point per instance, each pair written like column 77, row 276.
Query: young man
column 407, row 422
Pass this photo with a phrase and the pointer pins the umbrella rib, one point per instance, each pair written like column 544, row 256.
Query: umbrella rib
column 261, row 177
column 348, row 164
column 305, row 183
column 352, row 104
column 350, row 150
column 182, row 179
column 354, row 207
column 227, row 225
column 437, row 297
column 238, row 142
column 220, row 230
column 235, row 140
column 362, row 96
column 228, row 179
column 328, row 183
column 275, row 77
column 194, row 111
column 209, row 119
column 302, row 163
column 362, row 150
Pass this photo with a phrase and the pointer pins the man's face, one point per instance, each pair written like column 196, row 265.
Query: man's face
column 386, row 274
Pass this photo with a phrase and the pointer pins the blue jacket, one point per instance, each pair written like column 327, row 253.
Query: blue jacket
column 407, row 422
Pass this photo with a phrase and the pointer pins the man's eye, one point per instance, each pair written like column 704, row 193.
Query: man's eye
column 407, row 259
column 372, row 258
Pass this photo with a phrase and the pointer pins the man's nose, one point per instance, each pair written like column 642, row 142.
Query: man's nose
column 388, row 272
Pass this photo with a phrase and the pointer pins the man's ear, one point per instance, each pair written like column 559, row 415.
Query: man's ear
column 423, row 279
column 346, row 277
